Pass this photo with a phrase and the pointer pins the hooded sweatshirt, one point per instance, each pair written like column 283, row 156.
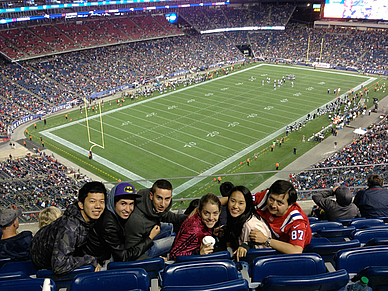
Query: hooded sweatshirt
column 106, row 239
column 57, row 246
column 145, row 217
column 342, row 208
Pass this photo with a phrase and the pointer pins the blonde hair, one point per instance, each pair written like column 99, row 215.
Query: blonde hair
column 48, row 215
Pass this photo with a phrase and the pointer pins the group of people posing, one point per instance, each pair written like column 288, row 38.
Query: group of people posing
column 126, row 225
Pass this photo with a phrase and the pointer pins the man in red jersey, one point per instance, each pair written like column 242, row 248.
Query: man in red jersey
column 288, row 223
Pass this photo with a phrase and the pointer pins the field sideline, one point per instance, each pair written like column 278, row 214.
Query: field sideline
column 202, row 128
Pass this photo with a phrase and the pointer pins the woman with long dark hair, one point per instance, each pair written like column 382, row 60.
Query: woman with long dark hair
column 241, row 219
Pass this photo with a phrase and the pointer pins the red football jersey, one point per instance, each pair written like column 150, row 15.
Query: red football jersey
column 293, row 227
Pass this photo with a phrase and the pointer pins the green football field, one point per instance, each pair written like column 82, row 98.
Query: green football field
column 201, row 130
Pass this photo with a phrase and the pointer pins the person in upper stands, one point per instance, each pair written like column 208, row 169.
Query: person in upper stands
column 341, row 208
column 57, row 246
column 242, row 219
column 13, row 245
column 152, row 208
column 373, row 201
column 107, row 237
column 288, row 223
column 48, row 215
column 189, row 238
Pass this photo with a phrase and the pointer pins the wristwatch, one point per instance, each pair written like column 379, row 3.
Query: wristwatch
column 268, row 242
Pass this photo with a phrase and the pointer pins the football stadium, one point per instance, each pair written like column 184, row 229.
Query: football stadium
column 193, row 145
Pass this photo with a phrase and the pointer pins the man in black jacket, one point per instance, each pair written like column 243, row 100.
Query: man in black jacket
column 57, row 246
column 13, row 245
column 152, row 208
column 107, row 236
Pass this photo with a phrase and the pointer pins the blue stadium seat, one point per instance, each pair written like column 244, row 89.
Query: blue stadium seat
column 26, row 267
column 322, row 282
column 354, row 260
column 64, row 281
column 153, row 267
column 378, row 277
column 5, row 260
column 25, row 284
column 117, row 280
column 336, row 234
column 256, row 253
column 287, row 265
column 13, row 276
column 327, row 249
column 313, row 219
column 384, row 218
column 376, row 242
column 232, row 285
column 365, row 223
column 199, row 273
column 347, row 222
column 325, row 225
column 364, row 235
column 213, row 256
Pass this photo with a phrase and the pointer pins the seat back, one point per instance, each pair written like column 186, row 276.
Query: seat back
column 13, row 276
column 25, row 284
column 377, row 241
column 213, row 256
column 365, row 223
column 232, row 285
column 348, row 221
column 287, row 265
column 378, row 277
column 26, row 267
column 256, row 253
column 152, row 266
column 327, row 250
column 337, row 233
column 325, row 225
column 322, row 282
column 364, row 235
column 4, row 260
column 354, row 260
column 117, row 280
column 199, row 273
column 64, row 281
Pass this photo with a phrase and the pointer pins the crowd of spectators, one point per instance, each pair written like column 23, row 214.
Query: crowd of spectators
column 351, row 165
column 35, row 182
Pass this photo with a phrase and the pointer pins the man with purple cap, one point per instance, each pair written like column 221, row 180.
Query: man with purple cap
column 107, row 238
column 13, row 245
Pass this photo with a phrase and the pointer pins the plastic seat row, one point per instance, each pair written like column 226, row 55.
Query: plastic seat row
column 218, row 272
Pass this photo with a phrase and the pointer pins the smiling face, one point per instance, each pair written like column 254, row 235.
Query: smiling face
column 161, row 199
column 124, row 208
column 236, row 204
column 93, row 206
column 278, row 204
column 209, row 214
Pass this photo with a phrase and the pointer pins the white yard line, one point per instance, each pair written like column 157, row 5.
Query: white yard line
column 210, row 171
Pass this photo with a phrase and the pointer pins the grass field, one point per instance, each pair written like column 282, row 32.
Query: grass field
column 207, row 128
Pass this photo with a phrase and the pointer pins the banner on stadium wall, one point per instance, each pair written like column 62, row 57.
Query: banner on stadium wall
column 25, row 119
column 377, row 72
column 321, row 65
column 109, row 92
column 179, row 73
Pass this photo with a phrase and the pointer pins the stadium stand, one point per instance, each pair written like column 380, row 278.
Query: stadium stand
column 139, row 48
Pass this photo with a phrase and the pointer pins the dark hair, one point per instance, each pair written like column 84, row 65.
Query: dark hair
column 161, row 184
column 193, row 204
column 284, row 187
column 209, row 198
column 91, row 187
column 375, row 180
column 225, row 189
column 234, row 225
